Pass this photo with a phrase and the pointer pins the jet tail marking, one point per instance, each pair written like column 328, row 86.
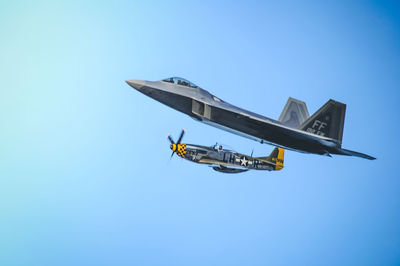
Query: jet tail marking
column 328, row 121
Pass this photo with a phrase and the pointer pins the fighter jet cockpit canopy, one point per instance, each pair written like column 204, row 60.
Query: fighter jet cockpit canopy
column 180, row 81
column 187, row 83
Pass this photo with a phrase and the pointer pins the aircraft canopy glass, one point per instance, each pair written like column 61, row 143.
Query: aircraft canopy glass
column 220, row 147
column 180, row 81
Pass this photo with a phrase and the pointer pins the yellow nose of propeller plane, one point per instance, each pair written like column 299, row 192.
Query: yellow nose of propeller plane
column 181, row 151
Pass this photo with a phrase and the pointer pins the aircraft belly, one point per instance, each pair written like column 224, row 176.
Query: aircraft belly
column 175, row 101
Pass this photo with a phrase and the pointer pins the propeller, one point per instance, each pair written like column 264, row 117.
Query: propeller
column 171, row 139
column 181, row 136
column 176, row 144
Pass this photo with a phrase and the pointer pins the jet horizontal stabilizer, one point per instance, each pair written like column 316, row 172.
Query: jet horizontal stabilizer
column 357, row 154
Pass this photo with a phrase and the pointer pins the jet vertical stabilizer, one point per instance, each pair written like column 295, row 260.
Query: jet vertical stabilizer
column 328, row 121
column 294, row 113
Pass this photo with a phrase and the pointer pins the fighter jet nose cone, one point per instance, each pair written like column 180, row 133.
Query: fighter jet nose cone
column 136, row 84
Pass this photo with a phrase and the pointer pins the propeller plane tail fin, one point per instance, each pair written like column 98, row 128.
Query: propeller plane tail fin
column 276, row 158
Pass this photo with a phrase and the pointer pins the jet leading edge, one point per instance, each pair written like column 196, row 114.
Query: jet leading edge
column 320, row 133
column 226, row 161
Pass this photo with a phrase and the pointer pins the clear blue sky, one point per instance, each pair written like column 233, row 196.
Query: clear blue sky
column 84, row 171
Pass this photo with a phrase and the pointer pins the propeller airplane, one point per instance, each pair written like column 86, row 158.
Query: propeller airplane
column 225, row 160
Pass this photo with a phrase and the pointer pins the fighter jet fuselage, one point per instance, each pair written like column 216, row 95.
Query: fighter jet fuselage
column 320, row 134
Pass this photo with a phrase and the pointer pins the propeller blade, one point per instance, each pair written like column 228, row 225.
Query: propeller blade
column 170, row 139
column 181, row 136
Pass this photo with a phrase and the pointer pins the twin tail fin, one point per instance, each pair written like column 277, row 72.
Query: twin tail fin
column 328, row 121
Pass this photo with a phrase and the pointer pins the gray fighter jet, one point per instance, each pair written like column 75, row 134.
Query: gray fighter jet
column 225, row 160
column 296, row 130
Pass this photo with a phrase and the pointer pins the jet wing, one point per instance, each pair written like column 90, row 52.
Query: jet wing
column 254, row 126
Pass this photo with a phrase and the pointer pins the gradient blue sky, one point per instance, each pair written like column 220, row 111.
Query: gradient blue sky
column 84, row 171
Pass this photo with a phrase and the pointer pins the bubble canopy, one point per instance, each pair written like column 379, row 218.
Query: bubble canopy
column 180, row 81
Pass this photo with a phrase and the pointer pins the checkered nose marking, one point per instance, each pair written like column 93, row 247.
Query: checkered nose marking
column 181, row 150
